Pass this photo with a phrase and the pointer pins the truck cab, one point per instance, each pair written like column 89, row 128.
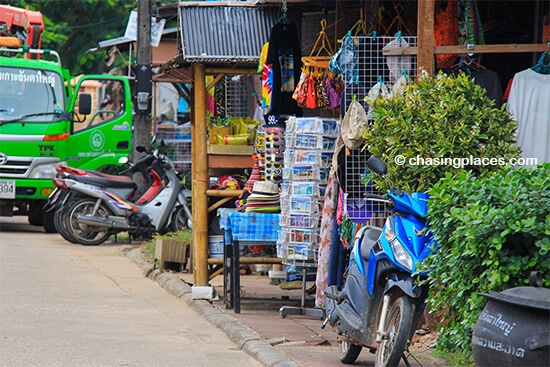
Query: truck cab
column 42, row 125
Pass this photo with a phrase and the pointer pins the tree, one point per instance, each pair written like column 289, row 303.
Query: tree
column 74, row 26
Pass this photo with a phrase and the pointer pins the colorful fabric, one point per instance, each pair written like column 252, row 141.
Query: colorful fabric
column 267, row 86
column 446, row 31
column 326, row 232
column 285, row 56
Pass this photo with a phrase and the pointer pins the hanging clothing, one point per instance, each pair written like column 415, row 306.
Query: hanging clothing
column 528, row 103
column 446, row 30
column 284, row 56
column 328, row 226
column 485, row 78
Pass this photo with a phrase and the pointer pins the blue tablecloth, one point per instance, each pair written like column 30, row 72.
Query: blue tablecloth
column 249, row 227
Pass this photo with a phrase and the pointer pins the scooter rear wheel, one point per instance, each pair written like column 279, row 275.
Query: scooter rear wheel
column 349, row 352
column 398, row 328
column 83, row 233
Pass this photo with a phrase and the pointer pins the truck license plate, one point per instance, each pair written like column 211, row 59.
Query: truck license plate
column 7, row 189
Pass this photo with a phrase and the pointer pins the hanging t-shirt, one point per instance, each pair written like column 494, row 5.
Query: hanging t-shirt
column 485, row 78
column 528, row 103
column 285, row 57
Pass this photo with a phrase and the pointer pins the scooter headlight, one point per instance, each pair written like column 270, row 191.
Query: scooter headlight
column 402, row 256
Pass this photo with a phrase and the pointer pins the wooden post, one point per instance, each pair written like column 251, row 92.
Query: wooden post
column 144, row 79
column 200, row 178
column 426, row 41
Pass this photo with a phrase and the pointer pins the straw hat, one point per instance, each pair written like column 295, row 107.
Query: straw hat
column 264, row 190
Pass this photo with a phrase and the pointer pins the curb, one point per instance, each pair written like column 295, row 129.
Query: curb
column 245, row 338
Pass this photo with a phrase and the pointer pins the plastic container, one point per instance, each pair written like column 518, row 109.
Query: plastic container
column 215, row 244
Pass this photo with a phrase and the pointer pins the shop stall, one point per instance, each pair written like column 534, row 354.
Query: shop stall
column 398, row 42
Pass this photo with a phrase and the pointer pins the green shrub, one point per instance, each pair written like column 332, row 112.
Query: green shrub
column 439, row 117
column 492, row 232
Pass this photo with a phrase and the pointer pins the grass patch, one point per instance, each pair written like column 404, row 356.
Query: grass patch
column 456, row 359
column 147, row 248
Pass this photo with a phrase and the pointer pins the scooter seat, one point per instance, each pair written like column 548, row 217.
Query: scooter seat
column 106, row 182
column 370, row 235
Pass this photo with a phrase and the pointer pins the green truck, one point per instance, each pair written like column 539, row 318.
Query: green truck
column 49, row 119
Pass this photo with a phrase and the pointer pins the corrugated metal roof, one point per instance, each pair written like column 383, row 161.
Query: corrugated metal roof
column 225, row 34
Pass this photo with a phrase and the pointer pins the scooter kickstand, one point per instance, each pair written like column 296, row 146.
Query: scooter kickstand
column 324, row 323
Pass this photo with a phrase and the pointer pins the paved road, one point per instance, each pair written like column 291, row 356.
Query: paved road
column 60, row 305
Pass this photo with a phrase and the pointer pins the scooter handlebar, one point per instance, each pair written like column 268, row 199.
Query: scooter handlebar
column 379, row 198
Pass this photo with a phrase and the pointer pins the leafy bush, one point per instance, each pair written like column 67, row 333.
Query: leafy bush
column 492, row 233
column 439, row 117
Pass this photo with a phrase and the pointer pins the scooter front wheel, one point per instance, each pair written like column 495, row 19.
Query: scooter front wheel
column 61, row 224
column 179, row 220
column 83, row 233
column 398, row 328
column 349, row 352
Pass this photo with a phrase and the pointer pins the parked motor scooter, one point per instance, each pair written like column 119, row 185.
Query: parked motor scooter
column 119, row 184
column 382, row 300
column 122, row 185
column 93, row 210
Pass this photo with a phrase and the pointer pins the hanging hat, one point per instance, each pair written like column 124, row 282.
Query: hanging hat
column 354, row 123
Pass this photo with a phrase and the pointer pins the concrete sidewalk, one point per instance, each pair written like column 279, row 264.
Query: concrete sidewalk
column 260, row 330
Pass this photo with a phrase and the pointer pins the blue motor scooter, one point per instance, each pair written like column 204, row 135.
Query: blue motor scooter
column 382, row 300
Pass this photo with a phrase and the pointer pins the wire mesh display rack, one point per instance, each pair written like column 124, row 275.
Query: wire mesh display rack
column 178, row 147
column 236, row 92
column 373, row 67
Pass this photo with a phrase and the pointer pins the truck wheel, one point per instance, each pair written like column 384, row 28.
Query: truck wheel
column 36, row 220
column 399, row 322
column 49, row 225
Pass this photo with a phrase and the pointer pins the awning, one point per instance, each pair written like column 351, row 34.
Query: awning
column 225, row 34
column 123, row 43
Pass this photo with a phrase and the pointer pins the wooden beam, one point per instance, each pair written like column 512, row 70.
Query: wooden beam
column 232, row 161
column 249, row 260
column 214, row 82
column 477, row 49
column 224, row 193
column 231, row 71
column 218, row 203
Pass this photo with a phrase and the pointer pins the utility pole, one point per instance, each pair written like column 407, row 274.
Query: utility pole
column 144, row 76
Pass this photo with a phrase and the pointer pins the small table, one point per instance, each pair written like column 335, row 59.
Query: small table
column 239, row 228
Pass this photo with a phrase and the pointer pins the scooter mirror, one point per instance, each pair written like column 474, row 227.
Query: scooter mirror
column 141, row 148
column 376, row 165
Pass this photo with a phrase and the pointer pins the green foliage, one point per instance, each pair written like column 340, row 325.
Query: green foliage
column 439, row 117
column 492, row 232
column 72, row 27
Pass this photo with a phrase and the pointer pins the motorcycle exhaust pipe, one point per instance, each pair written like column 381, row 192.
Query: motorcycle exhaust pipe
column 100, row 222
